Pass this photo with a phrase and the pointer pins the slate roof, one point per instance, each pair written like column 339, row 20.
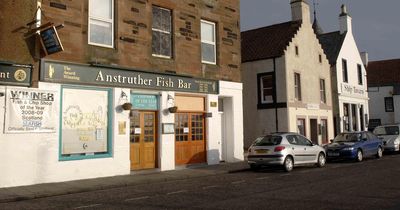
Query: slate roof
column 268, row 42
column 386, row 72
column 332, row 43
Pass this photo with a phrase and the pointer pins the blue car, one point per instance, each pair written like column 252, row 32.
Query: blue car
column 354, row 146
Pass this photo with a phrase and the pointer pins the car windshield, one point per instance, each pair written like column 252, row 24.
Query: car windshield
column 386, row 130
column 347, row 137
column 267, row 140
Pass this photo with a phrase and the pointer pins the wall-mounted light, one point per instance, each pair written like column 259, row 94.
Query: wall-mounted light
column 123, row 101
column 171, row 104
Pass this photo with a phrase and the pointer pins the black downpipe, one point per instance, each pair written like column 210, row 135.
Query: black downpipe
column 275, row 99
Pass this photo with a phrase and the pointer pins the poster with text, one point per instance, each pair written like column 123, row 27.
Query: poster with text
column 30, row 111
column 84, row 121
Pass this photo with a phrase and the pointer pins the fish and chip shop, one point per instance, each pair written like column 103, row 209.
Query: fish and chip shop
column 88, row 121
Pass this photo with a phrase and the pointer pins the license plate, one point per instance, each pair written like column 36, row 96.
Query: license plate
column 335, row 154
column 262, row 151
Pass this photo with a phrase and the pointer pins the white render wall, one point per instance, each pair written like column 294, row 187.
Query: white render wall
column 34, row 158
column 377, row 105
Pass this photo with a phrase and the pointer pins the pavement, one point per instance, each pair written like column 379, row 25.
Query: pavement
column 143, row 177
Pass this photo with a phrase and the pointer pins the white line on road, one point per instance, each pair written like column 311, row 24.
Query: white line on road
column 138, row 198
column 260, row 178
column 238, row 182
column 208, row 187
column 88, row 206
column 177, row 192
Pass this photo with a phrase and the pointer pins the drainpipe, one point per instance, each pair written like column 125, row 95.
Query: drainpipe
column 275, row 99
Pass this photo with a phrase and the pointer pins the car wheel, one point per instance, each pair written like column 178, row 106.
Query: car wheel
column 379, row 153
column 288, row 164
column 254, row 167
column 321, row 160
column 359, row 156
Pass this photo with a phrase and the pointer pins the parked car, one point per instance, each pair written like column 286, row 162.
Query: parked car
column 354, row 145
column 285, row 149
column 390, row 136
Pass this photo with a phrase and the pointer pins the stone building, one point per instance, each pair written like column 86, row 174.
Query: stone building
column 117, row 86
column 286, row 80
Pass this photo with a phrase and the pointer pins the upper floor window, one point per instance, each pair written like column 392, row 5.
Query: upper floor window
column 208, row 42
column 320, row 58
column 296, row 49
column 360, row 75
column 161, row 32
column 344, row 71
column 389, row 105
column 322, row 90
column 297, row 87
column 101, row 23
column 266, row 89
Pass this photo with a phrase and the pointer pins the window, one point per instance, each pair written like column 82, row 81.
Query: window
column 101, row 23
column 301, row 126
column 161, row 32
column 320, row 58
column 266, row 89
column 85, row 128
column 344, row 71
column 297, row 87
column 322, row 90
column 208, row 43
column 296, row 48
column 389, row 104
column 360, row 75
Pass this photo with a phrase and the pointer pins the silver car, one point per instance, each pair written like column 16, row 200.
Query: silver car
column 285, row 149
column 390, row 136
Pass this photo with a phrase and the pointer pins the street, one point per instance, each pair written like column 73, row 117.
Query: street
column 371, row 184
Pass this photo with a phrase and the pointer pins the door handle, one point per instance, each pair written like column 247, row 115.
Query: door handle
column 305, row 148
column 292, row 148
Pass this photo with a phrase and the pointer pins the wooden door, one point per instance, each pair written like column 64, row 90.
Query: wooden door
column 143, row 140
column 189, row 138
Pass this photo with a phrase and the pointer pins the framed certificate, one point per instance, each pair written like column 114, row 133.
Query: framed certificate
column 168, row 128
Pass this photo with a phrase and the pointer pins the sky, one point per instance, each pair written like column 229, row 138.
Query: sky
column 376, row 23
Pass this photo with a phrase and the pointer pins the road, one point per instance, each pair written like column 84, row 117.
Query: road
column 372, row 184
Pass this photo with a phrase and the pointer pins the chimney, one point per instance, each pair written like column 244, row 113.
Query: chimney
column 364, row 58
column 345, row 21
column 300, row 11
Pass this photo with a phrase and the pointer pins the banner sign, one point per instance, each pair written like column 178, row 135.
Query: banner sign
column 30, row 111
column 84, row 122
column 81, row 74
column 144, row 102
column 19, row 75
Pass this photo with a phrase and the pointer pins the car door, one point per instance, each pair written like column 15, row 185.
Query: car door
column 309, row 150
column 375, row 142
column 297, row 148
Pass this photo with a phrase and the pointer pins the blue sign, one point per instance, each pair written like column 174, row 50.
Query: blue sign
column 146, row 102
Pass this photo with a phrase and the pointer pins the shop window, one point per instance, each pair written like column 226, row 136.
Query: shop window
column 266, row 90
column 389, row 106
column 297, row 87
column 161, row 32
column 344, row 71
column 208, row 42
column 360, row 75
column 85, row 125
column 322, row 90
column 101, row 23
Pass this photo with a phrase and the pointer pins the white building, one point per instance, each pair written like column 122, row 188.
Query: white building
column 286, row 80
column 384, row 92
column 349, row 78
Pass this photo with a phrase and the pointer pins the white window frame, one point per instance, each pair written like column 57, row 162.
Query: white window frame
column 111, row 21
column 162, row 31
column 208, row 42
column 263, row 88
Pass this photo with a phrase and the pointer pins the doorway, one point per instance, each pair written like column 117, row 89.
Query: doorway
column 190, row 141
column 143, row 139
column 314, row 130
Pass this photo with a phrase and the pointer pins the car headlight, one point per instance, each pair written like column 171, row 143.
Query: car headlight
column 348, row 149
